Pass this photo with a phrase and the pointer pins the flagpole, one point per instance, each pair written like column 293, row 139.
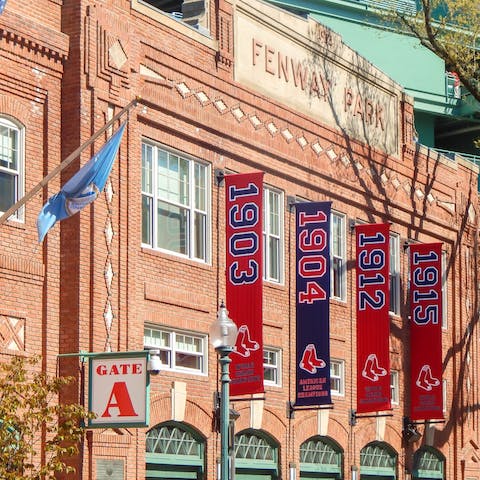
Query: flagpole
column 66, row 162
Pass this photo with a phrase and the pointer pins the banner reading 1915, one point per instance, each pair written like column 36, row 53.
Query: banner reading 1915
column 426, row 329
column 312, row 302
column 373, row 323
column 244, row 267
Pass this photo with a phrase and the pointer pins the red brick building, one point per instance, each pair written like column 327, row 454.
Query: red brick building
column 225, row 87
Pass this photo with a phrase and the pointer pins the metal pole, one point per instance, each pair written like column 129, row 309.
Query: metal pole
column 224, row 360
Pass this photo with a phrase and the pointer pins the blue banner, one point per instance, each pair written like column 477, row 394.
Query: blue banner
column 313, row 303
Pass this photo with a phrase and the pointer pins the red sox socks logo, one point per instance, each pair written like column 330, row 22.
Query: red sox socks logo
column 310, row 362
column 425, row 379
column 244, row 343
column 372, row 370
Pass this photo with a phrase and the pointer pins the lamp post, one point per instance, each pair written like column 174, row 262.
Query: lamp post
column 223, row 335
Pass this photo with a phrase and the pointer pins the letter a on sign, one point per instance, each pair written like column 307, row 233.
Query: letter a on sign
column 118, row 391
column 120, row 399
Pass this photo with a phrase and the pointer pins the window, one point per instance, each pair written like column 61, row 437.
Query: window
column 338, row 257
column 337, row 377
column 320, row 456
column 175, row 199
column 11, row 166
column 190, row 12
column 272, row 235
column 175, row 450
column 394, row 274
column 272, row 366
column 394, row 387
column 179, row 351
column 428, row 463
column 256, row 455
column 378, row 457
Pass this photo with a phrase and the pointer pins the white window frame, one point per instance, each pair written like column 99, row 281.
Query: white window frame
column 394, row 274
column 340, row 378
column 171, row 351
column 268, row 235
column 19, row 172
column 191, row 209
column 394, row 387
column 276, row 366
column 341, row 256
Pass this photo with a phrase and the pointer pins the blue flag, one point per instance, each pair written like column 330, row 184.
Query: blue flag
column 83, row 188
column 2, row 5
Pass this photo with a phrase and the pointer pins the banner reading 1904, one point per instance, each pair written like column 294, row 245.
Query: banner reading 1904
column 244, row 247
column 373, row 323
column 312, row 303
column 426, row 329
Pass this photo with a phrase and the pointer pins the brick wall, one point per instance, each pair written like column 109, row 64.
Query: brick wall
column 191, row 103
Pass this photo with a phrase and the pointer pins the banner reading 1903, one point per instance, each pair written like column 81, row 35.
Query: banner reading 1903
column 373, row 323
column 244, row 267
column 312, row 303
column 426, row 329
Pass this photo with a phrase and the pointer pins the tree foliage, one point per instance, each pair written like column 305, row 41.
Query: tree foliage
column 37, row 434
column 451, row 30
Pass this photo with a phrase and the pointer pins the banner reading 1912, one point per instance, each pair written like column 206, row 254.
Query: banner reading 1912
column 373, row 323
column 313, row 297
column 426, row 329
column 244, row 267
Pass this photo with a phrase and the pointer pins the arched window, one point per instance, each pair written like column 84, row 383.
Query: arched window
column 173, row 448
column 256, row 456
column 11, row 165
column 378, row 461
column 428, row 463
column 320, row 457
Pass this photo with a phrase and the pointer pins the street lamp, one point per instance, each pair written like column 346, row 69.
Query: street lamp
column 223, row 335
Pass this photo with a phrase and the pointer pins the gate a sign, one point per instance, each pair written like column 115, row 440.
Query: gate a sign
column 118, row 390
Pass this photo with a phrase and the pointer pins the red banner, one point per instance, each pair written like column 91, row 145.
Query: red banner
column 373, row 323
column 426, row 329
column 244, row 252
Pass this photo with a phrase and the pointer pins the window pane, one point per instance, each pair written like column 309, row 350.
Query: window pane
column 274, row 213
column 8, row 190
column 270, row 375
column 8, row 148
column 200, row 187
column 147, row 155
column 183, row 360
column 200, row 236
column 336, row 235
column 336, row 377
column 187, row 343
column 338, row 260
column 184, row 181
column 146, row 220
column 394, row 274
column 172, row 228
column 337, row 269
column 156, row 338
column 274, row 254
column 165, row 358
